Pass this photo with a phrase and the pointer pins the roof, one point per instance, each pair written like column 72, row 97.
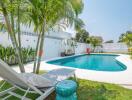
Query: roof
column 58, row 34
column 28, row 30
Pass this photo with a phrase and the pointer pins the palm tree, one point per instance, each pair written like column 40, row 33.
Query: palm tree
column 126, row 38
column 44, row 14
column 82, row 35
column 10, row 28
column 79, row 24
column 50, row 17
column 18, row 28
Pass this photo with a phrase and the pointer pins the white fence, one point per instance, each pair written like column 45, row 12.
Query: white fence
column 115, row 47
column 81, row 48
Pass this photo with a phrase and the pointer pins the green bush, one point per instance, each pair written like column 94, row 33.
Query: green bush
column 8, row 55
column 130, row 52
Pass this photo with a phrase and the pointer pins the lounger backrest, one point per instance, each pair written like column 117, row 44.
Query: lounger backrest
column 10, row 75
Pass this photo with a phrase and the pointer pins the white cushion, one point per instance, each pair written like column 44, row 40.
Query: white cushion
column 37, row 80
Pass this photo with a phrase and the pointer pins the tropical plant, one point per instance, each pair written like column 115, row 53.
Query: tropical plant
column 109, row 41
column 48, row 18
column 8, row 55
column 78, row 24
column 126, row 38
column 7, row 9
column 95, row 41
column 43, row 14
column 2, row 52
column 130, row 51
column 70, row 45
column 82, row 36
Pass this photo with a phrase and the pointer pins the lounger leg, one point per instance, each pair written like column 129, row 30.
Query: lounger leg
column 2, row 84
column 6, row 91
column 46, row 93
column 5, row 98
column 23, row 98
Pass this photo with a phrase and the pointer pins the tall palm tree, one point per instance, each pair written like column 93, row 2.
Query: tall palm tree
column 18, row 27
column 44, row 14
column 10, row 28
column 50, row 14
column 78, row 24
column 49, row 19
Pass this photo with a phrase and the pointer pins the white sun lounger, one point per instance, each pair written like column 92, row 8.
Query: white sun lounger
column 27, row 83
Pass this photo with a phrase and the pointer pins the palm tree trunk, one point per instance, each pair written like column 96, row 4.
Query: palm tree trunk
column 37, row 46
column 94, row 49
column 40, row 50
column 13, row 39
column 13, row 25
column 18, row 23
column 19, row 32
column 18, row 16
column 12, row 19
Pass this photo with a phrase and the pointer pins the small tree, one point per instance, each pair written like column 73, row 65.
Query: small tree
column 127, row 38
column 109, row 41
column 82, row 36
column 130, row 52
column 95, row 41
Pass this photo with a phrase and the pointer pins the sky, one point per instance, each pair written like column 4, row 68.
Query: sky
column 107, row 18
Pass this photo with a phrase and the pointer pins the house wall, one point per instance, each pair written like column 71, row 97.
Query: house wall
column 52, row 46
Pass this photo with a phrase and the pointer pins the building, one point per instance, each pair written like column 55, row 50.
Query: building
column 53, row 42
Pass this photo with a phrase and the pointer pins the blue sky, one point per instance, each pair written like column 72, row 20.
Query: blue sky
column 107, row 18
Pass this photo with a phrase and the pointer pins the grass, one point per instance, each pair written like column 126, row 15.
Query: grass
column 89, row 90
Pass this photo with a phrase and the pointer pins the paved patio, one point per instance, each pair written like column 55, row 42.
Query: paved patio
column 123, row 78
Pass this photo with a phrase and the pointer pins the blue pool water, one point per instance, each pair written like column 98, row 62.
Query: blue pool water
column 99, row 62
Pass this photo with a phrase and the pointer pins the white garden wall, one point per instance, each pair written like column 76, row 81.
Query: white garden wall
column 81, row 48
column 52, row 48
column 115, row 47
column 5, row 40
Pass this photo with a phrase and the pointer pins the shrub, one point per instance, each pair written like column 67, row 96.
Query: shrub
column 7, row 54
column 130, row 52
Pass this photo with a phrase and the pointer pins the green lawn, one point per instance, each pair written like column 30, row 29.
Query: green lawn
column 91, row 90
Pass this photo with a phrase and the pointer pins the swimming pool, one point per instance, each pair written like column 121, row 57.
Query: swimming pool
column 98, row 62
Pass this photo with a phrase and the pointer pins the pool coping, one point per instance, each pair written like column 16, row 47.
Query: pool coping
column 119, row 77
